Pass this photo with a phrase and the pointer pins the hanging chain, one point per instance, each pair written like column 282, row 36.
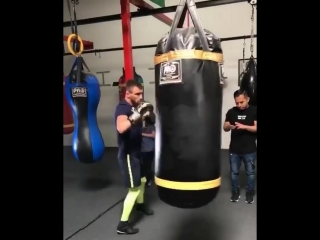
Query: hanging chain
column 244, row 55
column 252, row 31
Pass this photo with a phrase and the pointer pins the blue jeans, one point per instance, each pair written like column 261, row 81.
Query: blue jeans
column 249, row 164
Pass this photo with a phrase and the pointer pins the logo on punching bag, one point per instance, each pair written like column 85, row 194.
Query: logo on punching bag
column 170, row 72
column 79, row 92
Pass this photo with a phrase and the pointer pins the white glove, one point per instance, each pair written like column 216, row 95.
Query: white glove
column 145, row 109
column 135, row 117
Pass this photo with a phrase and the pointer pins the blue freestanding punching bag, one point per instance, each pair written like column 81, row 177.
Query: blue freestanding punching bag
column 248, row 81
column 83, row 96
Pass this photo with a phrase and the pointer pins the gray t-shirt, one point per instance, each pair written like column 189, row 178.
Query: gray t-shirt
column 148, row 143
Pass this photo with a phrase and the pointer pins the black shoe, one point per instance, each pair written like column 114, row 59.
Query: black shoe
column 125, row 228
column 249, row 197
column 143, row 208
column 235, row 196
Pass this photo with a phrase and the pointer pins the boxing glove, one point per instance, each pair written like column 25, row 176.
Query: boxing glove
column 135, row 116
column 145, row 109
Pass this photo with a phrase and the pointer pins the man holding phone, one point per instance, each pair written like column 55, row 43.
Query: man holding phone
column 242, row 121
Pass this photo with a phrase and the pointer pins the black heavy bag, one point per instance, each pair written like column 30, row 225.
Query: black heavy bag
column 189, row 103
column 248, row 81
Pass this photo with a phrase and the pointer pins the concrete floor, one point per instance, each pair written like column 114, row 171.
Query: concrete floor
column 92, row 191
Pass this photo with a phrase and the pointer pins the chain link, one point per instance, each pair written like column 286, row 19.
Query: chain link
column 252, row 30
column 76, row 2
column 243, row 54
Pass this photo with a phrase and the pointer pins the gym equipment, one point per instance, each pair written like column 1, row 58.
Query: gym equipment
column 68, row 124
column 248, row 81
column 189, row 108
column 248, row 78
column 83, row 96
column 122, row 84
column 223, row 78
column 82, row 90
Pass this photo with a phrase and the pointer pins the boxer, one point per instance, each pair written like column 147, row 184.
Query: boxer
column 129, row 115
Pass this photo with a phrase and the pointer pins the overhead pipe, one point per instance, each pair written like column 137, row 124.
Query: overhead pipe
column 126, row 40
column 155, row 45
column 143, row 13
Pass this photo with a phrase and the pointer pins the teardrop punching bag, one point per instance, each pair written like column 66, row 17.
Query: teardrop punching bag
column 122, row 84
column 68, row 124
column 189, row 108
column 248, row 81
column 83, row 96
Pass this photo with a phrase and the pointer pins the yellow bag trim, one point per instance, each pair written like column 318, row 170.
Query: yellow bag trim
column 68, row 125
column 188, row 54
column 188, row 185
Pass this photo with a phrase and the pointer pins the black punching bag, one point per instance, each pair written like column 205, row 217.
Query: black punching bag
column 248, row 81
column 189, row 104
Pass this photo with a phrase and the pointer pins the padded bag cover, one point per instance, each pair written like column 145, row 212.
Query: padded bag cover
column 68, row 124
column 189, row 104
column 83, row 95
column 248, row 81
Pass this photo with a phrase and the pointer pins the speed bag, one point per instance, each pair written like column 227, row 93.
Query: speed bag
column 68, row 124
column 188, row 125
column 248, row 81
column 83, row 97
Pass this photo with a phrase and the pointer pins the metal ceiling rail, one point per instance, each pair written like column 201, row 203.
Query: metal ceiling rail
column 155, row 45
column 144, row 12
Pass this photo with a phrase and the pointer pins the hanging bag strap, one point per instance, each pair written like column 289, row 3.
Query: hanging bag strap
column 191, row 7
column 79, row 63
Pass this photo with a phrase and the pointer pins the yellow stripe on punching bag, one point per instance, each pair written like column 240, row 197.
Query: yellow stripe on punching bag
column 68, row 125
column 188, row 54
column 192, row 186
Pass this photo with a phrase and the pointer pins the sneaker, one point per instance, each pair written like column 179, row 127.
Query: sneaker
column 249, row 197
column 235, row 196
column 143, row 208
column 126, row 228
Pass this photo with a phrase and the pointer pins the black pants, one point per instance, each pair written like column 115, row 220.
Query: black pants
column 147, row 164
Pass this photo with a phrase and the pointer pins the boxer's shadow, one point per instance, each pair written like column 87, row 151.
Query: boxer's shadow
column 99, row 176
column 196, row 227
column 94, row 184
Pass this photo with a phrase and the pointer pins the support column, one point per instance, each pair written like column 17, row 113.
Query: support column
column 126, row 38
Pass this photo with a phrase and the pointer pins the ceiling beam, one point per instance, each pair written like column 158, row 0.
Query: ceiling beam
column 143, row 6
column 203, row 4
column 155, row 45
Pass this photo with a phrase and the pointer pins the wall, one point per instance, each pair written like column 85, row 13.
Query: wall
column 224, row 21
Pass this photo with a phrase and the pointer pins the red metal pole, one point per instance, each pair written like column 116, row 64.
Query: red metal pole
column 126, row 38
